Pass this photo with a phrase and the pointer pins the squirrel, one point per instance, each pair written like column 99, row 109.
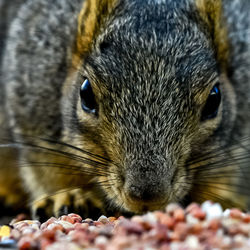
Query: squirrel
column 125, row 105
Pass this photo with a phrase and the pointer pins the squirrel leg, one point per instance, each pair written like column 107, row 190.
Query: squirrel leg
column 11, row 190
column 65, row 202
column 12, row 193
column 57, row 183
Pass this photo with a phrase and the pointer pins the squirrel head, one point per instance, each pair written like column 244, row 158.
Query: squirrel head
column 154, row 93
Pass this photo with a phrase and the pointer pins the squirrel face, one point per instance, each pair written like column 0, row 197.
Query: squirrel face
column 152, row 95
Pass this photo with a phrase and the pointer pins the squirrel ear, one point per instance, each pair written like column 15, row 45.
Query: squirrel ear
column 211, row 11
column 91, row 19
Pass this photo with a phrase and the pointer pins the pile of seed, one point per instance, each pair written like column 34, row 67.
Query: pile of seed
column 196, row 227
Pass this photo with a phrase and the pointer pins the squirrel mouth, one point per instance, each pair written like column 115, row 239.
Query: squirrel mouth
column 139, row 204
column 142, row 206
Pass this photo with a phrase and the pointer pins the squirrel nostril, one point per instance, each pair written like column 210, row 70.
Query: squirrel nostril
column 134, row 193
column 122, row 179
column 145, row 194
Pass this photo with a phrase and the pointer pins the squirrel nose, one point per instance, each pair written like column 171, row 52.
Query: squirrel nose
column 146, row 193
column 147, row 181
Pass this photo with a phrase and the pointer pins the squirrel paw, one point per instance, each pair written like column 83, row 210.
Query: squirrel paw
column 75, row 201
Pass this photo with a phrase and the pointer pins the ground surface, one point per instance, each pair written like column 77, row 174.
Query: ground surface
column 196, row 227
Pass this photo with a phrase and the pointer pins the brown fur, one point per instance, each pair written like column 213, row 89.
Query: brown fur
column 91, row 20
column 211, row 12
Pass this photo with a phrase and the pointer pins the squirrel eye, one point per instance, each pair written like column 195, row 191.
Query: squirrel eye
column 87, row 98
column 211, row 107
